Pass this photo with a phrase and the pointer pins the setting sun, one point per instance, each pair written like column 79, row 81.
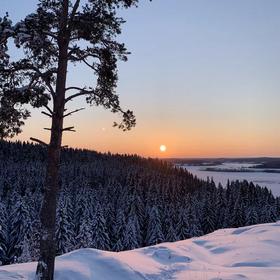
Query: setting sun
column 162, row 148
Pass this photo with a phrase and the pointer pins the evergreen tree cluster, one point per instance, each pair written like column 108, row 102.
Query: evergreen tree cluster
column 116, row 202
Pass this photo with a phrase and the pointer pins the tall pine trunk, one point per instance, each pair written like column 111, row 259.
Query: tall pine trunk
column 45, row 268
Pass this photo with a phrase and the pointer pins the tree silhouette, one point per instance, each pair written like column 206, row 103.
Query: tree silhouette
column 57, row 34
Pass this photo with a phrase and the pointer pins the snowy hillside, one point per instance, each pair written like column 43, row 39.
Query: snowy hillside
column 251, row 252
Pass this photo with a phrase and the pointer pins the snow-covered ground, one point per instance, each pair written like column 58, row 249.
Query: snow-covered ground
column 251, row 252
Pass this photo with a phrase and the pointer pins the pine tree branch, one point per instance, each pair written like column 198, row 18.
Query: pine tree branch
column 81, row 54
column 70, row 128
column 74, row 96
column 80, row 93
column 72, row 112
column 75, row 8
column 39, row 141
column 52, row 92
column 49, row 109
column 43, row 76
column 74, row 88
column 47, row 114
column 89, row 65
column 51, row 34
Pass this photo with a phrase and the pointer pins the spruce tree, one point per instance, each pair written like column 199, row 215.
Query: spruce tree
column 208, row 216
column 237, row 214
column 194, row 225
column 21, row 225
column 130, row 235
column 3, row 232
column 118, row 233
column 86, row 226
column 64, row 227
column 251, row 216
column 100, row 230
column 24, row 246
column 182, row 228
column 154, row 230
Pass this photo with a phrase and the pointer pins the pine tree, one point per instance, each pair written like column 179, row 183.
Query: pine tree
column 58, row 33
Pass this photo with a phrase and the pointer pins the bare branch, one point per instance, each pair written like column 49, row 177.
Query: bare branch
column 52, row 92
column 46, row 128
column 47, row 114
column 74, row 88
column 39, row 141
column 89, row 65
column 72, row 112
column 70, row 128
column 49, row 109
column 74, row 96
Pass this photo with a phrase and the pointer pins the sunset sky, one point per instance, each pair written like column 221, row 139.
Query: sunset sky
column 203, row 79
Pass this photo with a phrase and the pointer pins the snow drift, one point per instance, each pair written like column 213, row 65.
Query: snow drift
column 251, row 252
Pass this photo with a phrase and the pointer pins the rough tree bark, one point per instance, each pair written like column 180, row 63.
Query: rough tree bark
column 45, row 268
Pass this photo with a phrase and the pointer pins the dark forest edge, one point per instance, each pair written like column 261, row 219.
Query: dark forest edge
column 117, row 202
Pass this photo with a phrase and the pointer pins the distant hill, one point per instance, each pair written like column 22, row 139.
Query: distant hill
column 261, row 162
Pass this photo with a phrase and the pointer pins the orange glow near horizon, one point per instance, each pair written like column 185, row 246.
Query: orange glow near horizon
column 196, row 140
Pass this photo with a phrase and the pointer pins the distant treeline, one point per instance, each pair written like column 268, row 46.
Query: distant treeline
column 117, row 202
column 260, row 162
column 243, row 170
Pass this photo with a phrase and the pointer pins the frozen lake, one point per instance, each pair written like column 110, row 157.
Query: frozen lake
column 269, row 180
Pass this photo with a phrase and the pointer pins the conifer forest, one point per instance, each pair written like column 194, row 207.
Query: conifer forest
column 116, row 202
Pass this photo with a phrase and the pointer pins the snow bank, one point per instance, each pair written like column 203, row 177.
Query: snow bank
column 251, row 252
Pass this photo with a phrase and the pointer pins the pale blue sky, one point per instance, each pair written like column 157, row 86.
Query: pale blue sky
column 203, row 78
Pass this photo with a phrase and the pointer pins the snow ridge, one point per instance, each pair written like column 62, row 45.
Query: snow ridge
column 250, row 252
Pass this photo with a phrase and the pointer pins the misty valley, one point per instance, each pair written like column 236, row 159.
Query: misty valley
column 251, row 171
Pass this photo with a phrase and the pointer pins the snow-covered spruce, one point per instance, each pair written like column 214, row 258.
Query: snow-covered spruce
column 116, row 203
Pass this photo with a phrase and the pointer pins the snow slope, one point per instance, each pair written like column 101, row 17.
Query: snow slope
column 251, row 252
